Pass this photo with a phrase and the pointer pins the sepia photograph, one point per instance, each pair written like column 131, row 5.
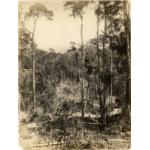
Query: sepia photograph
column 74, row 68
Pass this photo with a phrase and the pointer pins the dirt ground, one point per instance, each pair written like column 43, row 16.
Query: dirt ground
column 30, row 141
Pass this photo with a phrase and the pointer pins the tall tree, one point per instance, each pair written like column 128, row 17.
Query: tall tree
column 126, row 12
column 123, row 36
column 24, row 62
column 112, row 9
column 99, row 14
column 77, row 10
column 35, row 12
column 109, row 10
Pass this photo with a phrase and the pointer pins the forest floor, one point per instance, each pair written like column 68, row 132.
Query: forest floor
column 29, row 140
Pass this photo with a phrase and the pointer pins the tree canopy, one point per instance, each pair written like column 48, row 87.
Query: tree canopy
column 39, row 10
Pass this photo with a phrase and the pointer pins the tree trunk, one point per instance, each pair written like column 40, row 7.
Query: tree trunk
column 103, row 110
column 98, row 65
column 127, row 104
column 33, row 65
column 111, row 71
column 82, row 68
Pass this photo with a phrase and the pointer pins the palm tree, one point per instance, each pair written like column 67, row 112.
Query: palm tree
column 35, row 12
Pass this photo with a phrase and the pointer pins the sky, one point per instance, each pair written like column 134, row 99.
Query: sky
column 58, row 34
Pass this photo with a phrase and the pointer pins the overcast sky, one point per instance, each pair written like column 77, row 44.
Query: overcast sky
column 57, row 34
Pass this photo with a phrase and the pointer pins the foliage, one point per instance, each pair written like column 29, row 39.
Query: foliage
column 58, row 75
column 76, row 7
column 39, row 10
